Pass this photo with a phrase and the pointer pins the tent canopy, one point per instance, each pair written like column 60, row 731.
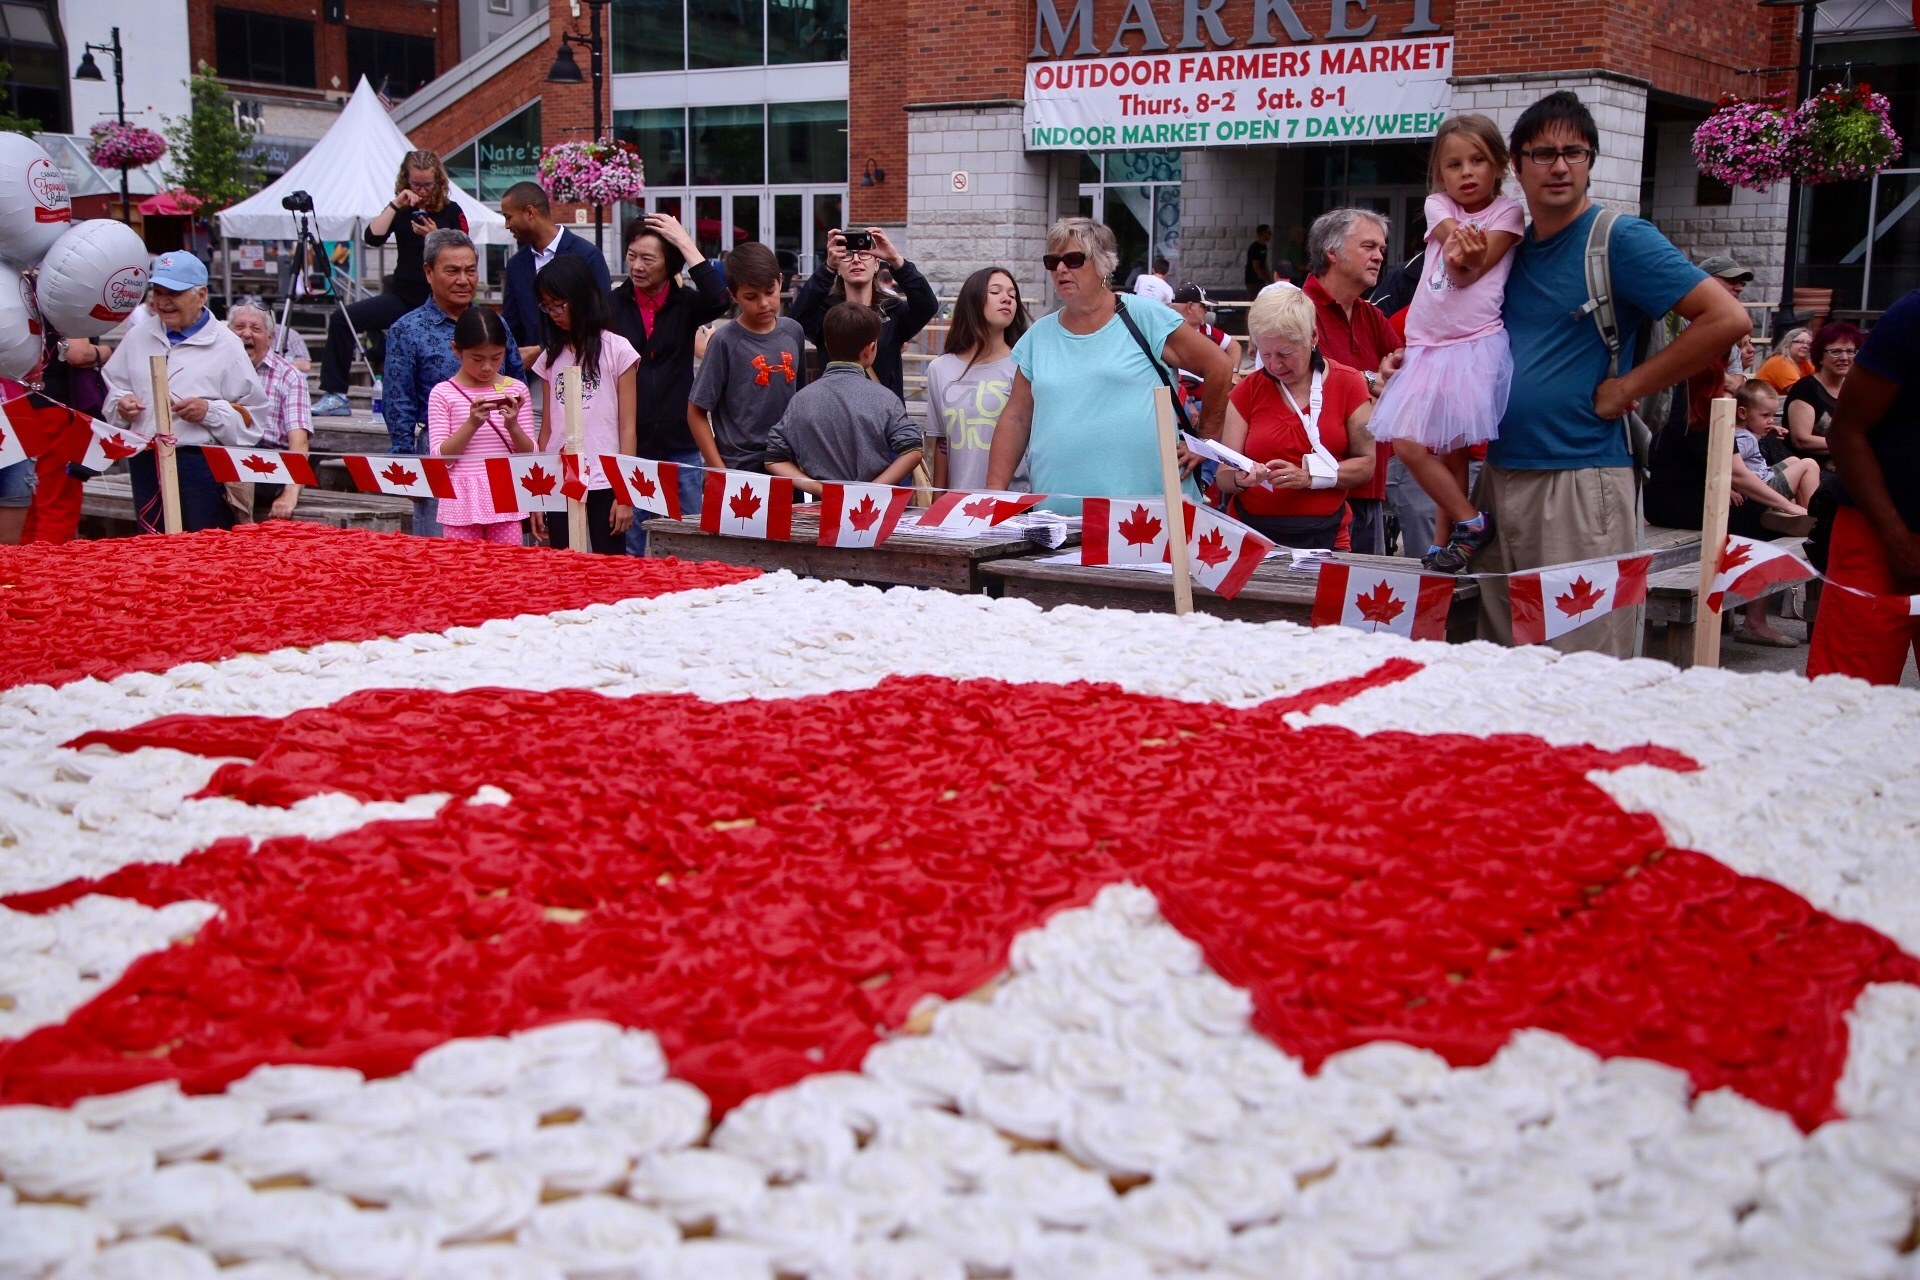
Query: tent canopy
column 349, row 174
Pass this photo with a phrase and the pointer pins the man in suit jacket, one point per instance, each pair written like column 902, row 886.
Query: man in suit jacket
column 529, row 217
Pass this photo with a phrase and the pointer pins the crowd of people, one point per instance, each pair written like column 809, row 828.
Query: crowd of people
column 1491, row 419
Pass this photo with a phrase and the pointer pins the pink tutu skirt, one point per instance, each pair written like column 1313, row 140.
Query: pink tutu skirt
column 1449, row 397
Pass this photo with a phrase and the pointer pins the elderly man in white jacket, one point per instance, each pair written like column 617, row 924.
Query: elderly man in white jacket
column 215, row 395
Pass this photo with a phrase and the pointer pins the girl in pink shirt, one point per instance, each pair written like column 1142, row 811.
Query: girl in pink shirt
column 576, row 331
column 1451, row 389
column 474, row 415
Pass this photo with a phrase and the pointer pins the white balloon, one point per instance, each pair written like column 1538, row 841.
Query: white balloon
column 21, row 337
column 33, row 200
column 93, row 278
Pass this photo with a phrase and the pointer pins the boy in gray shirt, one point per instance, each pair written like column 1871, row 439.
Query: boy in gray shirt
column 752, row 369
column 846, row 427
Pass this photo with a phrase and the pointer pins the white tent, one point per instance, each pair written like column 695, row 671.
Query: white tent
column 349, row 173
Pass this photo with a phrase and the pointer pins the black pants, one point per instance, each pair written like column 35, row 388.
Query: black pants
column 370, row 315
column 600, row 536
column 203, row 500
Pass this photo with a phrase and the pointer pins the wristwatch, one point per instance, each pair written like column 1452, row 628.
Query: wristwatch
column 1373, row 382
column 60, row 351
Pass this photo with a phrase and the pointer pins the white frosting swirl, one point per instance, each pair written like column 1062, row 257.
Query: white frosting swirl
column 1411, row 1073
column 1242, row 1185
column 1019, row 1103
column 712, row 1260
column 890, row 1188
column 561, row 1041
column 695, row 1187
column 1799, row 1250
column 637, row 1057
column 859, row 1102
column 1120, row 1139
column 1545, row 1054
column 1059, row 1255
column 1823, row 1195
column 964, row 1150
column 187, row 1128
column 982, row 1232
column 1077, row 1062
column 268, row 1224
column 556, row 1085
column 86, row 1165
column 904, row 1260
column 382, row 1168
column 1058, row 1192
column 661, row 1117
column 1718, row 1166
column 1678, row 1215
column 483, row 1064
column 1765, row 1135
column 1473, row 1236
column 489, row 1262
column 288, row 1148
column 35, row 1237
column 1886, row 1145
column 1295, row 1250
column 805, row 1228
column 1255, row 1069
column 1466, row 1135
column 108, row 1110
column 478, row 1125
column 995, row 1034
column 477, row 1201
column 1124, row 975
column 382, row 1106
column 786, row 1135
column 1058, row 998
column 573, row 1157
column 598, row 1235
column 371, row 1245
column 160, row 1259
column 1155, row 1032
column 169, row 1197
column 1170, row 1224
column 928, row 1068
column 295, row 1090
column 1212, row 1004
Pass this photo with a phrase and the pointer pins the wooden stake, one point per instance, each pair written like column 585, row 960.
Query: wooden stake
column 1176, row 508
column 164, row 462
column 1713, row 529
column 576, row 434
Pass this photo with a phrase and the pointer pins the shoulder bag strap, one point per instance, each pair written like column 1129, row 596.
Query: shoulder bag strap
column 1179, row 406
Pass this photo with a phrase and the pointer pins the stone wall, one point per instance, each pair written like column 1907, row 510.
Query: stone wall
column 1752, row 228
column 1619, row 107
column 1000, row 220
column 1224, row 194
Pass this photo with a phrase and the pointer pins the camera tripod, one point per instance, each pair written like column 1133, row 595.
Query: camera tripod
column 324, row 278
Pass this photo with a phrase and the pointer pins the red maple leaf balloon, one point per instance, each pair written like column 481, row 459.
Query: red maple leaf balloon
column 979, row 508
column 536, row 481
column 1212, row 549
column 744, row 503
column 863, row 513
column 395, row 474
column 1140, row 528
column 1380, row 606
column 259, row 465
column 1733, row 555
column 641, row 483
column 1580, row 596
column 741, row 884
column 115, row 447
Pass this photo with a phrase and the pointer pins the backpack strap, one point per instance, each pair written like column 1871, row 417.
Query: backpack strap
column 1599, row 304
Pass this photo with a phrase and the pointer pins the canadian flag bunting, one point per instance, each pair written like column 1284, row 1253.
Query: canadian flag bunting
column 1123, row 531
column 744, row 504
column 1222, row 552
column 572, row 486
column 1413, row 605
column 19, row 422
column 978, row 510
column 260, row 466
column 1747, row 565
column 639, row 482
column 1552, row 602
column 860, row 515
column 526, row 482
column 408, row 477
column 111, row 444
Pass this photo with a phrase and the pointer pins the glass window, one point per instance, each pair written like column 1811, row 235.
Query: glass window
column 725, row 33
column 1143, row 166
column 826, row 217
column 807, row 142
column 263, row 48
column 27, row 24
column 806, row 31
column 648, row 35
column 507, row 153
column 394, row 64
column 661, row 136
column 729, row 146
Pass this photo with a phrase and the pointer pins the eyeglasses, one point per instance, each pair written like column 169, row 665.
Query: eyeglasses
column 859, row 255
column 1843, row 353
column 1545, row 156
column 1073, row 261
column 422, row 186
column 553, row 308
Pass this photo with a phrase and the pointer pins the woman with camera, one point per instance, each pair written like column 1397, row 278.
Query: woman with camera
column 419, row 206
column 853, row 258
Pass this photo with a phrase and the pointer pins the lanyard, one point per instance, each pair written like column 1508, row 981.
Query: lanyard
column 1311, row 418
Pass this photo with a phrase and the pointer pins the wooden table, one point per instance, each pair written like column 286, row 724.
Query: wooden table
column 904, row 560
column 1673, row 599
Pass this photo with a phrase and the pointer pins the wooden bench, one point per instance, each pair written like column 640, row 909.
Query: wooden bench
column 1673, row 601
column 106, row 510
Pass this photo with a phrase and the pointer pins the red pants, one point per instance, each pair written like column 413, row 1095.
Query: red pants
column 55, row 513
column 1853, row 636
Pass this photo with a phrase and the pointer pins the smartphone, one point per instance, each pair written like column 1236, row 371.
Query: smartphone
column 858, row 241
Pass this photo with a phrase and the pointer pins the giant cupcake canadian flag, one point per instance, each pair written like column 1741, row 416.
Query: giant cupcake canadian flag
column 383, row 907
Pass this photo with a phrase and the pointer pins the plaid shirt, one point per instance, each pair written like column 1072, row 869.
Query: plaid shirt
column 288, row 408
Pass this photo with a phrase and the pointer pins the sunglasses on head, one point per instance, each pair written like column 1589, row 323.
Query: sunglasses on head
column 1073, row 261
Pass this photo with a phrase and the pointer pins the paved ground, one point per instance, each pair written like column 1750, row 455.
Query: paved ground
column 1738, row 656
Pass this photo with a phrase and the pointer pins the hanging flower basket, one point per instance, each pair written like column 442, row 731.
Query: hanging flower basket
column 1743, row 143
column 602, row 172
column 1841, row 133
column 124, row 146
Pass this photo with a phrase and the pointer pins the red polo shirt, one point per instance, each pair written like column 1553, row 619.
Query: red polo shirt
column 1360, row 341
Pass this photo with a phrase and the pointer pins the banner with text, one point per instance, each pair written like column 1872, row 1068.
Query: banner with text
column 1369, row 92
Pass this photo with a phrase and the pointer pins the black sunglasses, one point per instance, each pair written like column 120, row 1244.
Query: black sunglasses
column 1074, row 261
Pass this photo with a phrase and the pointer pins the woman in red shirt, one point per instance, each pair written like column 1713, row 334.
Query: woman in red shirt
column 1293, row 393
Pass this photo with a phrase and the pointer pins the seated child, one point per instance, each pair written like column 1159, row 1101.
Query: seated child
column 1795, row 479
column 845, row 427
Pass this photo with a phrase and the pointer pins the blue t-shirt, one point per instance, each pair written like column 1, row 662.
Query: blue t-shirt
column 1558, row 357
column 1093, row 429
column 1892, row 351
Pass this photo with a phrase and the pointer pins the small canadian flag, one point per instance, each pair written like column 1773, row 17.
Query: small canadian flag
column 640, row 482
column 111, row 444
column 526, row 482
column 977, row 510
column 259, row 466
column 1747, row 565
column 860, row 515
column 745, row 504
column 1552, row 602
column 408, row 477
column 1413, row 605
column 1123, row 531
column 1221, row 552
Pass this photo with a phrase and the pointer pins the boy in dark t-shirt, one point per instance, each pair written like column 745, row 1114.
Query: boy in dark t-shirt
column 752, row 368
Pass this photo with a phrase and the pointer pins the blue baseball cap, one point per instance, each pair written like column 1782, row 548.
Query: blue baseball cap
column 179, row 270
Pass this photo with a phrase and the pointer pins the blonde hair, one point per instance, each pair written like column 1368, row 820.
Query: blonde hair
column 437, row 200
column 1481, row 130
column 1282, row 313
column 1093, row 238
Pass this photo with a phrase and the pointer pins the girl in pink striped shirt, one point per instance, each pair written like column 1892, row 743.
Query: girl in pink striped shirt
column 474, row 415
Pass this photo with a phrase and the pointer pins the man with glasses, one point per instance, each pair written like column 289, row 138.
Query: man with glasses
column 1560, row 479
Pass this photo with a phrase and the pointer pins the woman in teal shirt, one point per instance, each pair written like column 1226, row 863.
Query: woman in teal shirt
column 1081, row 410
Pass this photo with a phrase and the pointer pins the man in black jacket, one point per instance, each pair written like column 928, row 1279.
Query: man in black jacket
column 660, row 316
column 847, row 276
column 529, row 217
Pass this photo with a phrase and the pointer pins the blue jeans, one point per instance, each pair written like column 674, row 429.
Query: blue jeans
column 203, row 500
column 17, row 483
column 693, row 482
column 426, row 511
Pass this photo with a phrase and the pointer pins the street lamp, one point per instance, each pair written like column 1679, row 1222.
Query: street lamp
column 90, row 70
column 566, row 70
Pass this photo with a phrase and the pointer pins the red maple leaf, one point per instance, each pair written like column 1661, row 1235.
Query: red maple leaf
column 1380, row 606
column 979, row 509
column 397, row 475
column 1212, row 549
column 864, row 514
column 259, row 465
column 1733, row 555
column 640, row 483
column 744, row 503
column 536, row 481
column 116, row 447
column 1140, row 529
column 1580, row 597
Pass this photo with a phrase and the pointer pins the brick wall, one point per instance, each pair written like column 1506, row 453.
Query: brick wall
column 406, row 17
column 882, row 76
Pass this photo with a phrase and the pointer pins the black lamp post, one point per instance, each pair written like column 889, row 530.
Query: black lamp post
column 567, row 71
column 90, row 70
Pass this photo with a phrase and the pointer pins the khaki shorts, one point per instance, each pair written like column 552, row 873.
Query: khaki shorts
column 1552, row 517
column 1778, row 482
